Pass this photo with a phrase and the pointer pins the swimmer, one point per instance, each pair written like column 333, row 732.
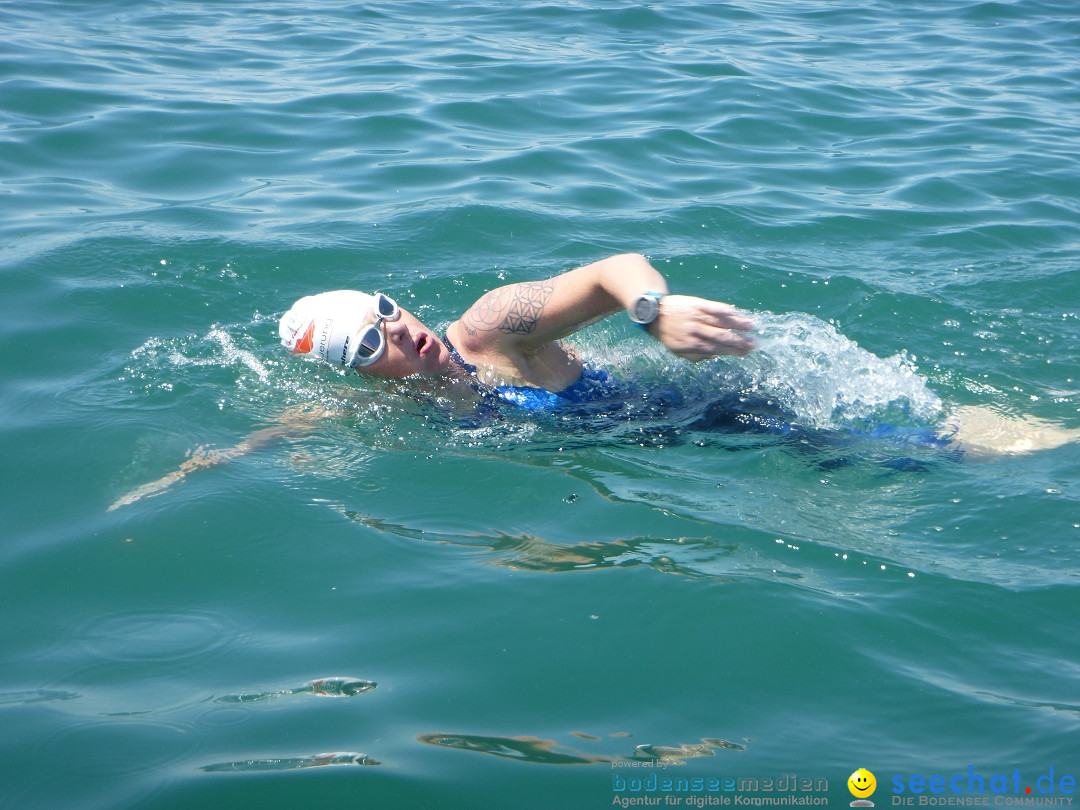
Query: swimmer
column 507, row 342
column 508, row 345
column 511, row 338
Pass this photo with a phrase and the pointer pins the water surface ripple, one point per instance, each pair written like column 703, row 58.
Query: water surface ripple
column 891, row 189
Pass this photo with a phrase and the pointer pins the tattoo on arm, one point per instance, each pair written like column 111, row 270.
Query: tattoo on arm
column 511, row 310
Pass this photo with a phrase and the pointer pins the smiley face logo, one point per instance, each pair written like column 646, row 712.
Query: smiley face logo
column 862, row 783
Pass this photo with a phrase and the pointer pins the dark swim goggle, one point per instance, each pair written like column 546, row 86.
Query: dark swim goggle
column 371, row 339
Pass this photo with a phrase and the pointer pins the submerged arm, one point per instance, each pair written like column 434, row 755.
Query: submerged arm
column 291, row 423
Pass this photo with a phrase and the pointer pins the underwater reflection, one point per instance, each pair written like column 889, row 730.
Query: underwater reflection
column 36, row 696
column 292, row 763
column 524, row 749
column 528, row 552
column 323, row 687
column 550, row 752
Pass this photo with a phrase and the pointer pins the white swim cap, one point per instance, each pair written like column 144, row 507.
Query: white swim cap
column 326, row 325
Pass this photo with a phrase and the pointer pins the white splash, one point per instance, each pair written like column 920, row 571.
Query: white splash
column 192, row 352
column 824, row 377
column 234, row 354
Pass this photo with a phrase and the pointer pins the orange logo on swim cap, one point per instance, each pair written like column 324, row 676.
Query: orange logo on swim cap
column 306, row 343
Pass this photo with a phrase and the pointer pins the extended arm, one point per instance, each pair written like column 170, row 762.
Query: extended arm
column 293, row 422
column 526, row 317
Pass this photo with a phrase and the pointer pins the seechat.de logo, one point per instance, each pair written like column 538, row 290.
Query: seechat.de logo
column 862, row 785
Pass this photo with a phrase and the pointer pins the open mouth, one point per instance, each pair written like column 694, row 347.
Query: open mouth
column 422, row 343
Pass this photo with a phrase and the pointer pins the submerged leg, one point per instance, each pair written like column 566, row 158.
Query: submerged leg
column 981, row 431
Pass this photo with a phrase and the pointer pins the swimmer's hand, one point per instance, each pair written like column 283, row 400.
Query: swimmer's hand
column 697, row 328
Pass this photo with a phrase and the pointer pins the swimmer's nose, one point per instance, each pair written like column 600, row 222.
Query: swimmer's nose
column 396, row 331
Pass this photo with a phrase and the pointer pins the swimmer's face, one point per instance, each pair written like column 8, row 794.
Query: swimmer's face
column 411, row 348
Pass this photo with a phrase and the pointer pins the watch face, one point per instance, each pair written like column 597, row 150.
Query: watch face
column 646, row 309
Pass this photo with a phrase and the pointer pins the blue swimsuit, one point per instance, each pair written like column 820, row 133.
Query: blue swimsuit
column 593, row 384
column 597, row 391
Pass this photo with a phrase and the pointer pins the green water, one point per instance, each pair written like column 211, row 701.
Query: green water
column 543, row 601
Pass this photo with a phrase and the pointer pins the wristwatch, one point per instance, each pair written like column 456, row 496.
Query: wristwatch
column 645, row 309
